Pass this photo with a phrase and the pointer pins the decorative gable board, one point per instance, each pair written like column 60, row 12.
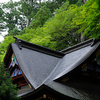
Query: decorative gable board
column 13, row 67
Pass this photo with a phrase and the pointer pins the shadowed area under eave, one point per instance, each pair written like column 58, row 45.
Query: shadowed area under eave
column 79, row 89
column 68, row 91
column 35, row 65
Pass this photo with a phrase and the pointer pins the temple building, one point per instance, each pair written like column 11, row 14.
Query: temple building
column 44, row 74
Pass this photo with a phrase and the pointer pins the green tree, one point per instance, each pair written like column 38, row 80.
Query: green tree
column 51, row 5
column 28, row 9
column 7, row 89
column 41, row 17
column 79, row 3
column 12, row 16
column 4, row 45
column 60, row 27
column 57, row 32
column 73, row 1
column 2, row 24
column 88, row 18
column 60, row 2
column 14, row 32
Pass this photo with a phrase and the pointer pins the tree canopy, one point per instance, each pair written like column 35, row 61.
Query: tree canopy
column 41, row 17
column 88, row 18
column 51, row 25
column 7, row 89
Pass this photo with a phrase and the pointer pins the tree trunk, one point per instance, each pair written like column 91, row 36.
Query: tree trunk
column 40, row 1
column 84, row 1
column 82, row 37
column 31, row 3
column 28, row 21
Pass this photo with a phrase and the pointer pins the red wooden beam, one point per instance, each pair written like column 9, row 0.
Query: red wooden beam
column 16, row 77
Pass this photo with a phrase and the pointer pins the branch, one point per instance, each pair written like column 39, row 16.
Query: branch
column 84, row 1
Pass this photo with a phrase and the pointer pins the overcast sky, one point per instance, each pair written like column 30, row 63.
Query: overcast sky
column 2, row 1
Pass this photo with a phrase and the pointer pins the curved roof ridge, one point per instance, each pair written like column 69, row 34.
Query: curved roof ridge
column 45, row 81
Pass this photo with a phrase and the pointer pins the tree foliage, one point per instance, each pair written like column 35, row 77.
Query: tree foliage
column 60, row 27
column 2, row 24
column 41, row 17
column 14, row 32
column 51, row 5
column 12, row 17
column 7, row 89
column 88, row 18
column 4, row 45
column 28, row 9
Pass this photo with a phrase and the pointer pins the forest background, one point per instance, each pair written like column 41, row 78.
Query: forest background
column 55, row 24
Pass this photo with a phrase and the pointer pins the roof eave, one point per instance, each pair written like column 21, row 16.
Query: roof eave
column 22, row 43
column 45, row 88
column 8, row 54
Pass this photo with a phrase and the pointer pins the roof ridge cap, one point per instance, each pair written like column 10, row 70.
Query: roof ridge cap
column 22, row 43
column 77, row 46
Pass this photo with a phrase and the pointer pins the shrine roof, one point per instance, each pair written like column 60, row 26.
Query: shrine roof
column 43, row 66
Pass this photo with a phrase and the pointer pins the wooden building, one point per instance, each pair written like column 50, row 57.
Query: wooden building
column 41, row 73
